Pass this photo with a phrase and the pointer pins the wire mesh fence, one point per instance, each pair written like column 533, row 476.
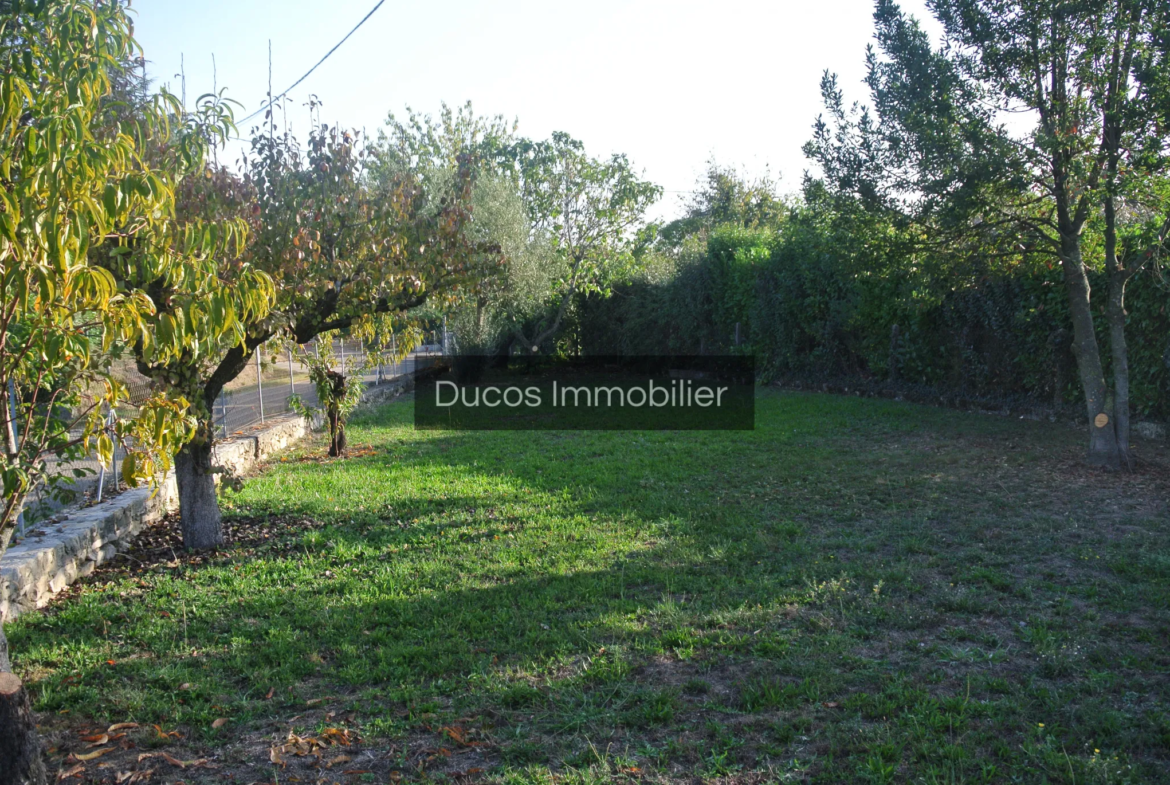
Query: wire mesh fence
column 259, row 394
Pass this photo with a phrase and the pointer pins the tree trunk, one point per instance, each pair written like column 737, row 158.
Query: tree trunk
column 1115, row 313
column 21, row 762
column 199, row 516
column 337, row 440
column 1116, row 316
column 333, row 413
column 1102, row 436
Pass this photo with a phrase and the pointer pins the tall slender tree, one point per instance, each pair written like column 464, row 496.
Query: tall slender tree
column 939, row 156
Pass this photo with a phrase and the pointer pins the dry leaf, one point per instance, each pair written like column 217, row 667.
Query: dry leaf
column 93, row 755
column 96, row 740
column 122, row 726
column 832, row 705
column 338, row 761
column 356, row 771
column 274, row 756
column 76, row 771
column 271, row 692
column 171, row 759
column 220, row 722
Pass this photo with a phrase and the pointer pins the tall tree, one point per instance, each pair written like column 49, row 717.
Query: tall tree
column 1131, row 61
column 341, row 253
column 939, row 157
column 77, row 183
column 435, row 149
column 726, row 197
column 590, row 211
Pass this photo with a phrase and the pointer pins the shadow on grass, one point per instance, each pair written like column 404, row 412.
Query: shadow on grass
column 461, row 569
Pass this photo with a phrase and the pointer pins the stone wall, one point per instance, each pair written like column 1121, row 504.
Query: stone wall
column 33, row 572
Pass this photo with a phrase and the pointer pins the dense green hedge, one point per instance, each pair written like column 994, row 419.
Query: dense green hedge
column 811, row 300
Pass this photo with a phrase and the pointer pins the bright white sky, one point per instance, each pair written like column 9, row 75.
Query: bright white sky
column 670, row 83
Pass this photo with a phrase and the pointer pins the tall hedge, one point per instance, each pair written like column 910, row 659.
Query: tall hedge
column 821, row 298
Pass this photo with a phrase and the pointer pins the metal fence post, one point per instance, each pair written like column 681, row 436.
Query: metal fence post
column 259, row 386
column 114, row 454
column 14, row 425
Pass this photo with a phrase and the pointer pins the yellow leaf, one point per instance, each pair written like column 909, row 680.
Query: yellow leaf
column 93, row 755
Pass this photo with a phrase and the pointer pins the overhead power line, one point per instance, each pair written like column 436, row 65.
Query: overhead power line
column 273, row 101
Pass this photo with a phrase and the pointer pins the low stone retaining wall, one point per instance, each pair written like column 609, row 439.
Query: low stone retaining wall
column 33, row 572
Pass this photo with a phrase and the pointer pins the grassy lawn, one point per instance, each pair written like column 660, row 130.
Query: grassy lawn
column 858, row 591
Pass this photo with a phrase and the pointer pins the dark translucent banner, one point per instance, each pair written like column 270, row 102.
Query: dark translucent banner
column 590, row 393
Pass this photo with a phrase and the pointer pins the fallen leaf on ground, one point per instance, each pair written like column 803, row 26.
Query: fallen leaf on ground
column 171, row 759
column 76, row 771
column 271, row 692
column 220, row 722
column 122, row 726
column 93, row 755
column 96, row 740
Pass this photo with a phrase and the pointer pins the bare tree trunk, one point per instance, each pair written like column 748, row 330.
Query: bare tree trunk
column 21, row 762
column 1120, row 353
column 1102, row 436
column 1115, row 313
column 199, row 516
column 337, row 441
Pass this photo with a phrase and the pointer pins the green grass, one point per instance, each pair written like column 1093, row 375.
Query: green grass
column 857, row 591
